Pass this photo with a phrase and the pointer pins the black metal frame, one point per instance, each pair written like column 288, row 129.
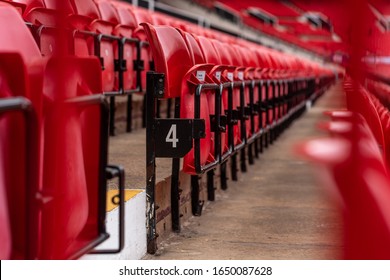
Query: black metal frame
column 114, row 171
column 105, row 172
column 153, row 83
column 199, row 169
column 23, row 105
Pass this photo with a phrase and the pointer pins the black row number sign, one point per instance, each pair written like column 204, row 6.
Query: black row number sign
column 173, row 137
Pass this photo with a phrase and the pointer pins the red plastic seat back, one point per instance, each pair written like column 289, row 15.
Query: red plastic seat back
column 217, row 56
column 87, row 17
column 13, row 38
column 358, row 100
column 356, row 167
column 19, row 66
column 193, row 47
column 195, row 76
column 224, row 54
column 198, row 58
column 125, row 14
column 143, row 16
column 5, row 233
column 71, row 158
column 242, row 74
column 109, row 13
column 51, row 15
column 29, row 5
column 384, row 117
column 209, row 53
column 13, row 172
column 126, row 29
column 70, row 141
column 85, row 8
column 170, row 55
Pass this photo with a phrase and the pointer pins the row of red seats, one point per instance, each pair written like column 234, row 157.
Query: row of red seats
column 353, row 164
column 85, row 48
column 288, row 27
column 379, row 94
column 106, row 29
column 210, row 61
column 276, row 8
column 238, row 96
column 53, row 149
column 109, row 30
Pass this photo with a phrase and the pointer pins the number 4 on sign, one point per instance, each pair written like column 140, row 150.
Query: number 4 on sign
column 171, row 136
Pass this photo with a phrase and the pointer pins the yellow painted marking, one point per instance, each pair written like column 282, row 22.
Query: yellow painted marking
column 128, row 195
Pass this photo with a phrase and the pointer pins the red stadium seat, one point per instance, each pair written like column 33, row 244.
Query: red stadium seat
column 72, row 140
column 5, row 234
column 355, row 165
column 16, row 178
column 48, row 26
column 245, row 72
column 86, row 17
column 20, row 5
column 143, row 16
column 21, row 75
column 193, row 47
column 215, row 57
column 67, row 161
column 124, row 25
column 358, row 100
column 172, row 58
column 198, row 58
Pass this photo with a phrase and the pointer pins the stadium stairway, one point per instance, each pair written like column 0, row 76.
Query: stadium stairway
column 275, row 211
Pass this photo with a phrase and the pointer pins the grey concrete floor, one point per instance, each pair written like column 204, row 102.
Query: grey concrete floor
column 277, row 210
column 129, row 150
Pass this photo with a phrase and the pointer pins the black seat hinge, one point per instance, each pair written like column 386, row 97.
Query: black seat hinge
column 198, row 129
column 120, row 65
column 138, row 65
column 222, row 123
column 101, row 59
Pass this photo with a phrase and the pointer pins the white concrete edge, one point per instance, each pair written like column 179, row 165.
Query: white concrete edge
column 135, row 232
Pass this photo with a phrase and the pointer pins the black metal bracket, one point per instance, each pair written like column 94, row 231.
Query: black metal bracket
column 139, row 65
column 101, row 59
column 115, row 171
column 235, row 116
column 120, row 65
column 196, row 203
column 221, row 127
column 247, row 112
column 23, row 105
